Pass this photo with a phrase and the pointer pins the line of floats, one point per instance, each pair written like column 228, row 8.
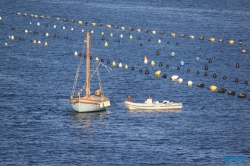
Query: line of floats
column 176, row 78
column 36, row 16
column 158, row 72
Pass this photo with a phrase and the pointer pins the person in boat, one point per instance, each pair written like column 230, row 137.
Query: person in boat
column 129, row 99
column 98, row 92
column 149, row 100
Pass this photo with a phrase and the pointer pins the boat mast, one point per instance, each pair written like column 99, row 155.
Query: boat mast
column 88, row 64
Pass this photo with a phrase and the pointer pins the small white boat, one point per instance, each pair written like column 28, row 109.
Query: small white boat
column 150, row 105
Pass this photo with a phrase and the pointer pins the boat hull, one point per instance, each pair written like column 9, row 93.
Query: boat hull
column 83, row 105
column 153, row 106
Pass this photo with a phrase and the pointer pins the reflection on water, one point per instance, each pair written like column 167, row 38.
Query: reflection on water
column 170, row 110
column 84, row 119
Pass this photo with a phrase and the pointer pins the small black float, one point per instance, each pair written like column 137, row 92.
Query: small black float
column 80, row 54
column 242, row 95
column 146, row 71
column 214, row 75
column 118, row 41
column 198, row 72
column 139, row 38
column 103, row 38
column 162, row 33
column 146, row 31
column 102, row 60
column 206, row 67
column 205, row 74
column 231, row 92
column 164, row 76
column 108, row 62
column 178, row 68
column 201, row 85
column 149, row 39
column 167, row 66
column 85, row 22
column 188, row 70
column 177, row 43
column 168, row 42
column 100, row 24
column 240, row 42
column 224, row 77
column 221, row 40
column 133, row 68
column 237, row 65
column 157, row 53
column 210, row 60
column 141, row 44
column 246, row 82
column 201, row 38
column 160, row 64
column 222, row 90
column 236, row 80
column 116, row 27
column 130, row 28
column 140, row 70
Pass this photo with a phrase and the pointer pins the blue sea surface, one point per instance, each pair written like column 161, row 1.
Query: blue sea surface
column 38, row 126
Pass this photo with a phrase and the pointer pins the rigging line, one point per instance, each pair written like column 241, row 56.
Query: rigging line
column 77, row 72
column 96, row 69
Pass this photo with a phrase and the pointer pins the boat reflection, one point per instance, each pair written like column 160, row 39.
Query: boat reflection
column 84, row 119
column 151, row 111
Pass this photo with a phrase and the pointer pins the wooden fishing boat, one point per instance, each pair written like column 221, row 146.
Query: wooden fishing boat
column 90, row 102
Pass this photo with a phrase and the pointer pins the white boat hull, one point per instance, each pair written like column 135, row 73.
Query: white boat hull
column 84, row 105
column 153, row 106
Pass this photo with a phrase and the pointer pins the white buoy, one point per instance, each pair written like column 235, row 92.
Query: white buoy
column 174, row 77
column 30, row 22
column 63, row 27
column 0, row 18
column 159, row 41
column 121, row 36
column 92, row 31
column 111, row 34
column 102, row 33
column 120, row 65
column 75, row 54
column 131, row 37
column 180, row 80
column 12, row 37
column 189, row 83
column 145, row 61
column 72, row 29
column 6, row 44
column 38, row 24
column 46, row 44
column 106, row 44
column 126, row 67
column 82, row 30
column 47, row 34
column 54, row 26
column 26, row 31
column 39, row 42
column 172, row 54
